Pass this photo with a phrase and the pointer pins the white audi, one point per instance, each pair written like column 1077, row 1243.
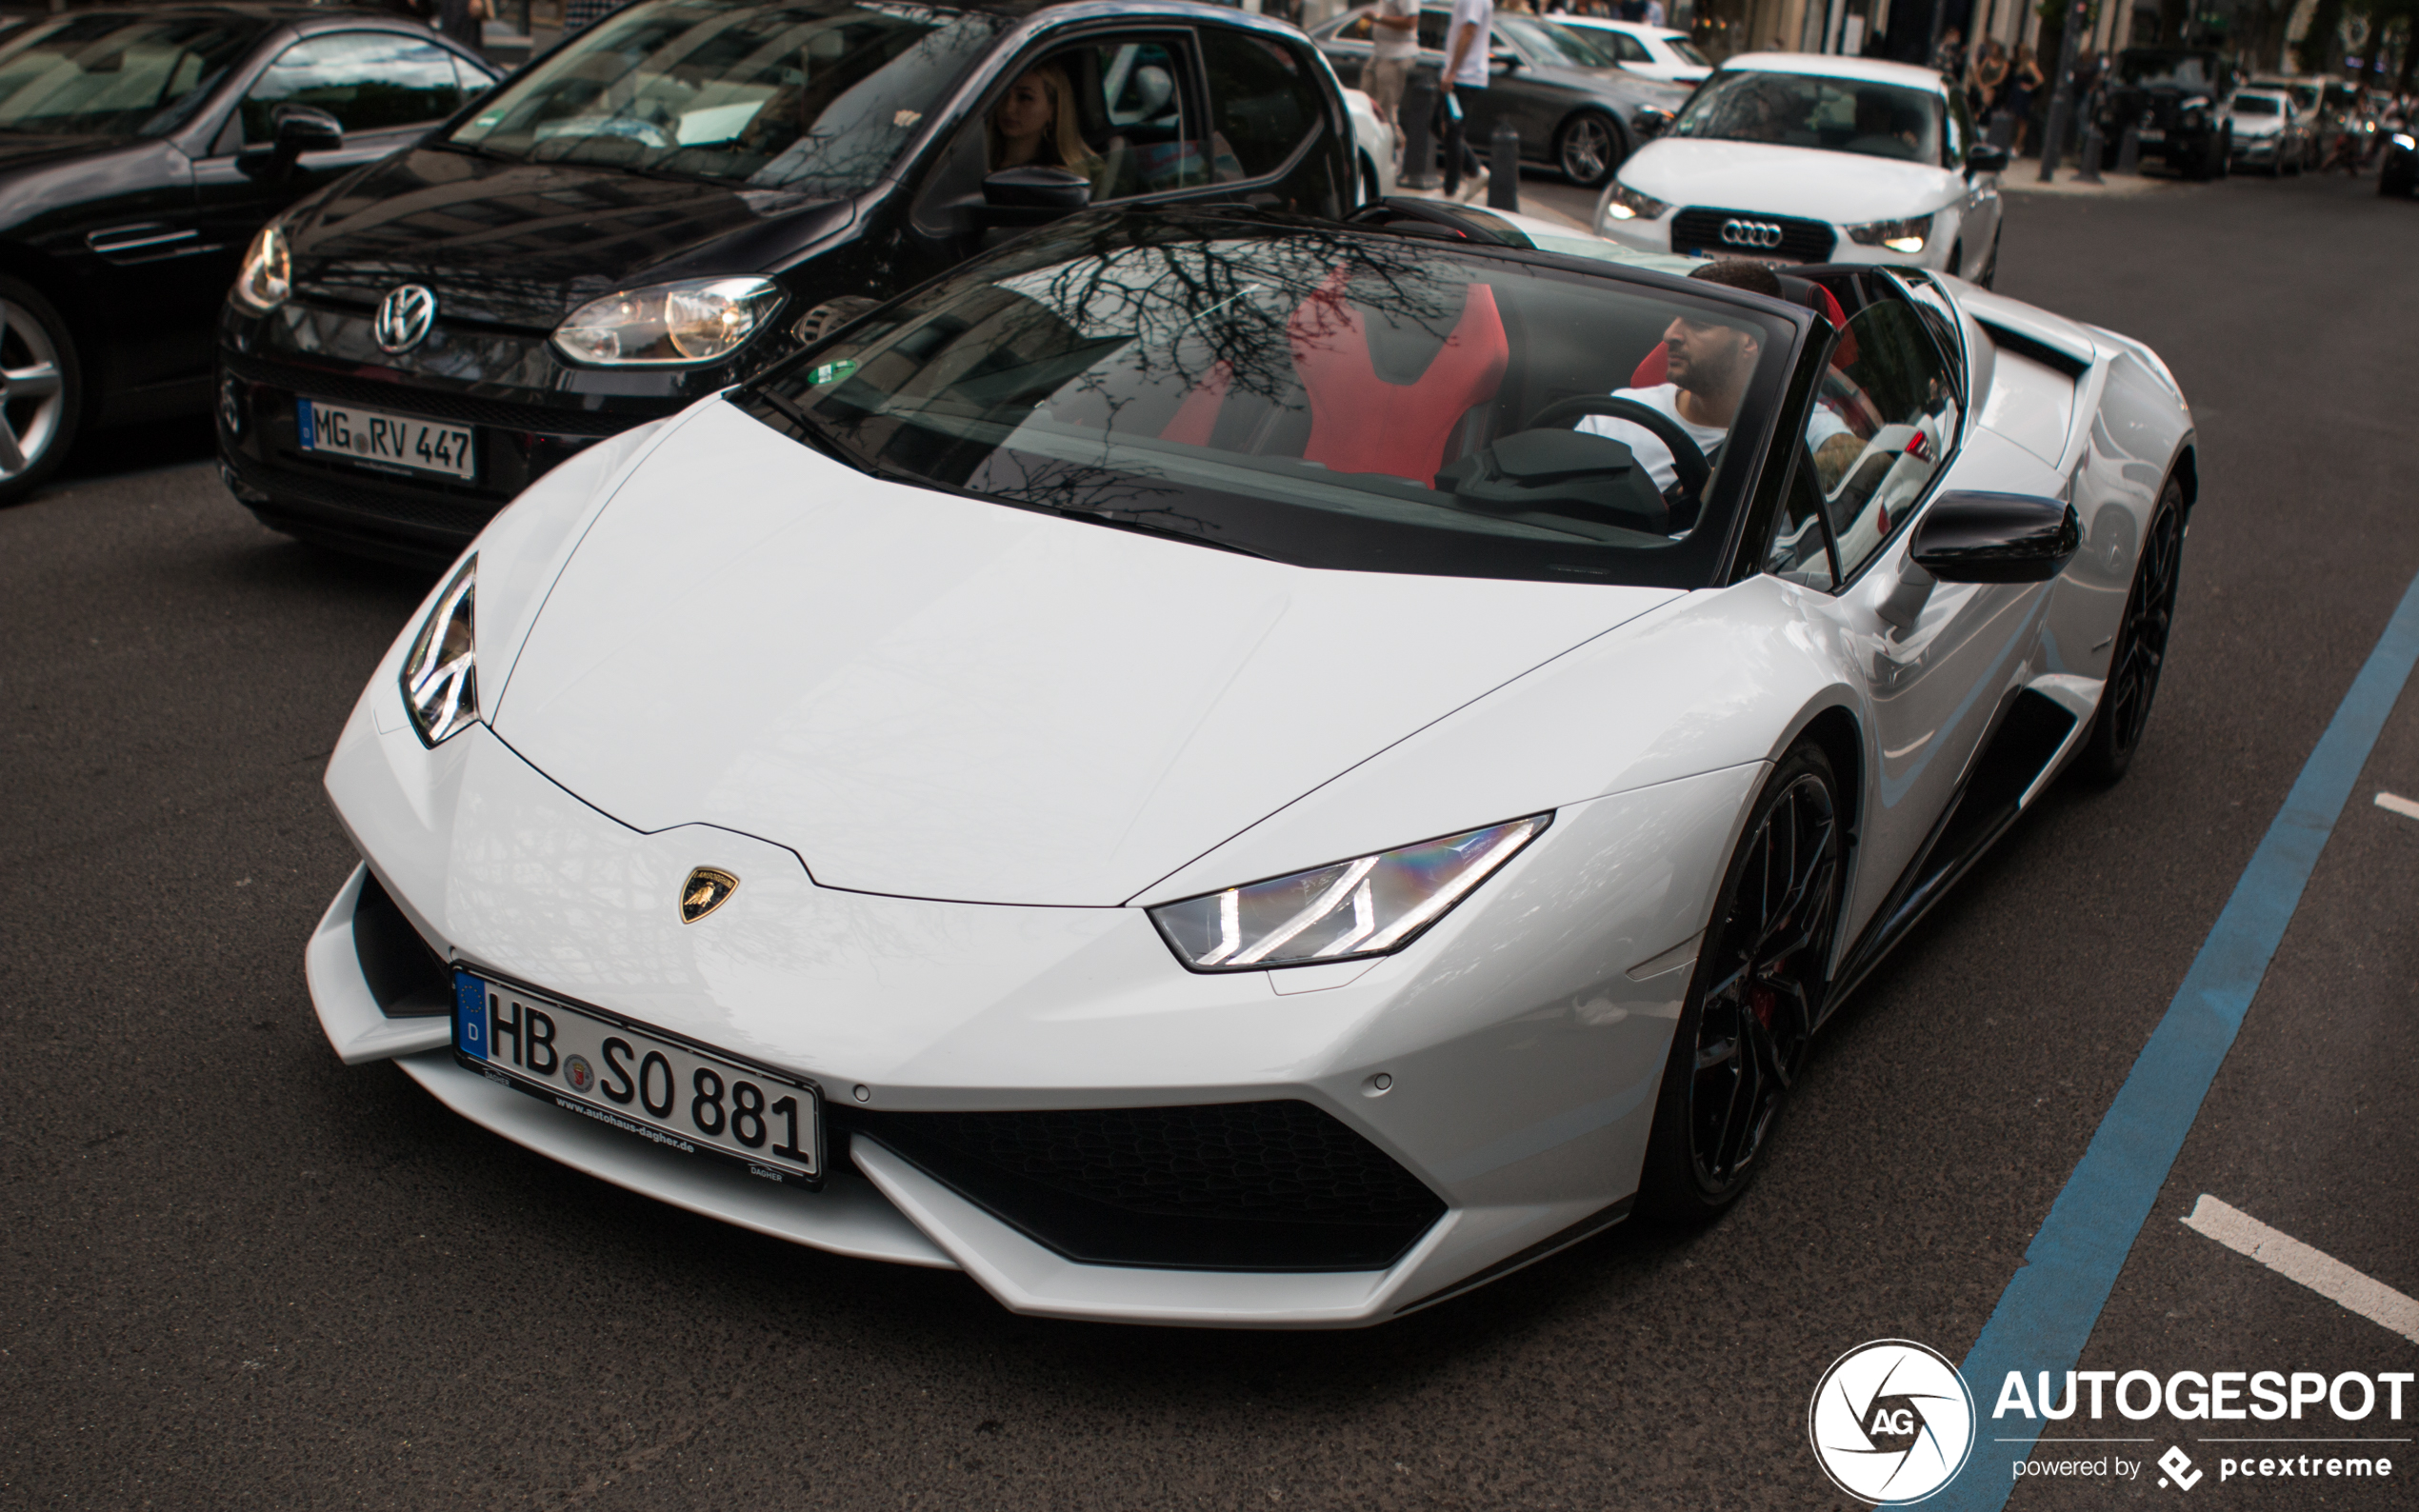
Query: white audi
column 1796, row 158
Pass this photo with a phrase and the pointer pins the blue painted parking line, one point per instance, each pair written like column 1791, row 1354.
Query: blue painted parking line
column 2050, row 1306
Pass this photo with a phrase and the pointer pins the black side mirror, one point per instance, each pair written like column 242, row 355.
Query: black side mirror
column 1502, row 62
column 300, row 128
column 1033, row 195
column 1984, row 158
column 1995, row 538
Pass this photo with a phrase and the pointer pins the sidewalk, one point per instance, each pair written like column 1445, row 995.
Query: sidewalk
column 2023, row 177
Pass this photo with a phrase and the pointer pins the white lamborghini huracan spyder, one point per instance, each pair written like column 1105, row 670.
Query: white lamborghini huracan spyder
column 1217, row 768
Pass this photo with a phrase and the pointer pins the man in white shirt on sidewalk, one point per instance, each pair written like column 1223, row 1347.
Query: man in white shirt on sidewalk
column 1393, row 47
column 1468, row 43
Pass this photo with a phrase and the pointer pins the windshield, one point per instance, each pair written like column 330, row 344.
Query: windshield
column 1800, row 109
column 1549, row 43
column 114, row 75
column 2258, row 104
column 2188, row 70
column 819, row 95
column 1317, row 395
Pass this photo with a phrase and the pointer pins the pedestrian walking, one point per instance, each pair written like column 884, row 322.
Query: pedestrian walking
column 1471, row 33
column 2024, row 83
column 1948, row 59
column 1393, row 48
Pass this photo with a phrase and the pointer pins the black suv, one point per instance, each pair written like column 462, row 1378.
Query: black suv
column 688, row 191
column 2175, row 98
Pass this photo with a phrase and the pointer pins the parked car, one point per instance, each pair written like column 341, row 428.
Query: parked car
column 2269, row 131
column 687, row 191
column 1375, row 145
column 1657, row 52
column 1222, row 769
column 140, row 149
column 2176, row 99
column 1575, row 113
column 1793, row 157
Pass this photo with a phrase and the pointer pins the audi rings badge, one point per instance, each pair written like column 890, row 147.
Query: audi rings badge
column 1763, row 235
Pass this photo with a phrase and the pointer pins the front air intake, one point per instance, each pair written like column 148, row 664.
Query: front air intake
column 1219, row 1186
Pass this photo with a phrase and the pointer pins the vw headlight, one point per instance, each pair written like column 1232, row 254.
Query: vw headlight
column 1622, row 203
column 441, row 674
column 1368, row 907
column 1899, row 236
column 696, row 320
column 268, row 272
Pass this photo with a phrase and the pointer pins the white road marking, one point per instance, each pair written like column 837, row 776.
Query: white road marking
column 2395, row 804
column 2294, row 1260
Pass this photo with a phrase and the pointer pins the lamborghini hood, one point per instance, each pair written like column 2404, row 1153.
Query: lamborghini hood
column 933, row 696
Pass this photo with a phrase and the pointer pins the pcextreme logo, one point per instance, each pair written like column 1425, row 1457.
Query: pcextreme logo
column 1892, row 1421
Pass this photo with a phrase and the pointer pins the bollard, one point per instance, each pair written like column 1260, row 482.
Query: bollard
column 1415, row 114
column 1503, row 168
column 2086, row 168
column 2130, row 150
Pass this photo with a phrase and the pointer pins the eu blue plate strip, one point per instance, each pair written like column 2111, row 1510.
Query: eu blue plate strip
column 2049, row 1309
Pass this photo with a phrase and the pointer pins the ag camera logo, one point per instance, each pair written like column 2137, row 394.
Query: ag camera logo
column 1892, row 1421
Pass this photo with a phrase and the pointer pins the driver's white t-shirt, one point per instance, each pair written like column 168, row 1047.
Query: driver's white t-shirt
column 1656, row 457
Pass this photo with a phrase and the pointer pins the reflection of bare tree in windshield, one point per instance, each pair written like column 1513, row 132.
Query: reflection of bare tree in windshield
column 815, row 94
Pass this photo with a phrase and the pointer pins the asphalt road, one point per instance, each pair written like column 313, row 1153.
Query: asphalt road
column 235, row 1274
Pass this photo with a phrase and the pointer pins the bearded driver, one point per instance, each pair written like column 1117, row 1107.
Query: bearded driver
column 1709, row 366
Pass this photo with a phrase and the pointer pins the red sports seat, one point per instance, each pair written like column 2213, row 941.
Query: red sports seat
column 1653, row 368
column 1361, row 422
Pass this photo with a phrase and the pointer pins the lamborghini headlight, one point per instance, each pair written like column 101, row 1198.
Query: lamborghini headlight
column 696, row 320
column 1899, row 236
column 441, row 674
column 1368, row 907
column 267, row 275
column 1622, row 203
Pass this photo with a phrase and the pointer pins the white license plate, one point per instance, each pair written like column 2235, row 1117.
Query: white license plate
column 373, row 435
column 640, row 1081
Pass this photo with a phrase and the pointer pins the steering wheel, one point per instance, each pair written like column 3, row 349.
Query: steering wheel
column 1687, row 458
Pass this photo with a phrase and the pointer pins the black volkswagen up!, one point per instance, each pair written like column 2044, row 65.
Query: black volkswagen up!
column 688, row 191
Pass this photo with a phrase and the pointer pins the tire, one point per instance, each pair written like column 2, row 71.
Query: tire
column 41, row 392
column 1590, row 148
column 2140, row 652
column 1745, row 1028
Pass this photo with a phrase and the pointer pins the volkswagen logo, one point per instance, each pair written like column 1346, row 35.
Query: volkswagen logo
column 1764, row 234
column 406, row 315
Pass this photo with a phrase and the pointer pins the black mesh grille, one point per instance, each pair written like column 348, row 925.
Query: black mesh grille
column 434, row 404
column 406, row 976
column 1232, row 1186
column 452, row 520
column 1698, row 229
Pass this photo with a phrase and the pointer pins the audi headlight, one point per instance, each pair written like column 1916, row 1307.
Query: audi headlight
column 1368, row 907
column 2406, row 141
column 1622, row 203
column 1899, row 236
column 268, row 272
column 696, row 320
column 441, row 674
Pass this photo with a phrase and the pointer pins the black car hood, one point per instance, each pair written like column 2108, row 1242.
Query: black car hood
column 523, row 243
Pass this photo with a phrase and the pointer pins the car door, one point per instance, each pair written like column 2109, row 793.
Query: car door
column 385, row 88
column 1935, row 658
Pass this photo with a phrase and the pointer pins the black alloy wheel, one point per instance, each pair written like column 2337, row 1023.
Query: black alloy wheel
column 2140, row 652
column 1589, row 148
column 1755, row 997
